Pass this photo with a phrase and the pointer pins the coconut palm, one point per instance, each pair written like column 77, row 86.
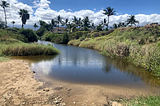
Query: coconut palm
column 131, row 20
column 109, row 12
column 86, row 23
column 75, row 21
column 53, row 23
column 71, row 27
column 2, row 24
column 59, row 20
column 4, row 5
column 24, row 15
column 42, row 23
column 115, row 26
column 35, row 26
column 13, row 22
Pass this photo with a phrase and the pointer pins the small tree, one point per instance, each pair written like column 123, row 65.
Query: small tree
column 35, row 26
column 131, row 20
column 109, row 12
column 13, row 22
column 24, row 15
column 4, row 4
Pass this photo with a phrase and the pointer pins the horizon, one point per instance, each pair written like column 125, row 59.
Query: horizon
column 145, row 11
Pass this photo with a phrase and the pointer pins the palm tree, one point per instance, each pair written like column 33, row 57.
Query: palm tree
column 2, row 24
column 59, row 20
column 86, row 23
column 131, row 20
column 75, row 21
column 13, row 22
column 24, row 16
column 115, row 26
column 4, row 4
column 109, row 12
column 42, row 23
column 35, row 26
column 53, row 23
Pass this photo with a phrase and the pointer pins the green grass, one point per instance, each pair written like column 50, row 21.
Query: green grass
column 13, row 47
column 144, row 101
column 139, row 45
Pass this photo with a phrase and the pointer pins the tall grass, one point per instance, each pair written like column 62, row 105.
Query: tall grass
column 140, row 45
column 12, row 47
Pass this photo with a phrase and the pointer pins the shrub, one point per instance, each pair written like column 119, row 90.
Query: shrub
column 29, row 49
column 29, row 34
column 41, row 31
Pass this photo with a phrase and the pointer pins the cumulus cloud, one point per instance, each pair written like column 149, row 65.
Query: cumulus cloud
column 42, row 11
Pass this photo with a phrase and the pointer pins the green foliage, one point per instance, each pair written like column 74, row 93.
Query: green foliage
column 140, row 45
column 29, row 34
column 144, row 101
column 13, row 47
column 12, row 33
column 41, row 31
column 78, row 34
column 56, row 38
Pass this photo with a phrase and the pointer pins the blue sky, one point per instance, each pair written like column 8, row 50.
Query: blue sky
column 121, row 6
column 146, row 11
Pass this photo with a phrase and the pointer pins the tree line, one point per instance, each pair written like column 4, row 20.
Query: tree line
column 76, row 23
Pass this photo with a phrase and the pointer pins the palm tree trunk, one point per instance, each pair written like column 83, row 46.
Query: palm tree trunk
column 108, row 22
column 22, row 25
column 5, row 15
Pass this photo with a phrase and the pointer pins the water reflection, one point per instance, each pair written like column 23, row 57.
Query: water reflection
column 80, row 65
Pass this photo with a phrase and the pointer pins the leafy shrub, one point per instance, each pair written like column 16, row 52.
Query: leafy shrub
column 29, row 34
column 41, row 31
column 9, row 33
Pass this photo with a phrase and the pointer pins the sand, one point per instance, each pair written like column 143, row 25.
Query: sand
column 18, row 87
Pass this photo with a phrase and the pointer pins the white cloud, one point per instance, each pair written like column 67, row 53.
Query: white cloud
column 44, row 12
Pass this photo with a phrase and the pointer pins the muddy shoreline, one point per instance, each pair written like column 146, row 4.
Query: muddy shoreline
column 20, row 88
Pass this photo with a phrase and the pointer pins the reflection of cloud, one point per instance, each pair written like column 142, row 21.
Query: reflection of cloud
column 42, row 67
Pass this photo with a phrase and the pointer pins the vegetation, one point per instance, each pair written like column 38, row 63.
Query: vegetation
column 13, row 22
column 13, row 47
column 144, row 101
column 4, row 5
column 139, row 45
column 109, row 12
column 24, row 15
column 131, row 20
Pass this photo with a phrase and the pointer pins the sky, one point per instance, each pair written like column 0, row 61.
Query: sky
column 145, row 11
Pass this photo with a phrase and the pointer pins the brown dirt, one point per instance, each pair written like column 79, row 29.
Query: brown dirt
column 18, row 87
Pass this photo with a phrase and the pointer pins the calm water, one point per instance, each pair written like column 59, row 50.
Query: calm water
column 80, row 65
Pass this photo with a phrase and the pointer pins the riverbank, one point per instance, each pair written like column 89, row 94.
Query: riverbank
column 19, row 87
column 139, row 45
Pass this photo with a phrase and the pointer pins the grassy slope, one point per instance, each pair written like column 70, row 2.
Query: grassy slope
column 10, row 45
column 140, row 45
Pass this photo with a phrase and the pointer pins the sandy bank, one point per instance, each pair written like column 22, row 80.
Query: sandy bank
column 19, row 88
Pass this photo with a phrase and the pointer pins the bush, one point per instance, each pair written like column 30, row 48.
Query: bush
column 41, row 31
column 11, row 34
column 29, row 50
column 29, row 34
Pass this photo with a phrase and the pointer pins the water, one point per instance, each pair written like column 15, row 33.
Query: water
column 86, row 66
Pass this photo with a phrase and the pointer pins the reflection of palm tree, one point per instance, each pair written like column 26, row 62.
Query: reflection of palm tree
column 24, row 16
column 131, row 20
column 4, row 4
column 109, row 12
